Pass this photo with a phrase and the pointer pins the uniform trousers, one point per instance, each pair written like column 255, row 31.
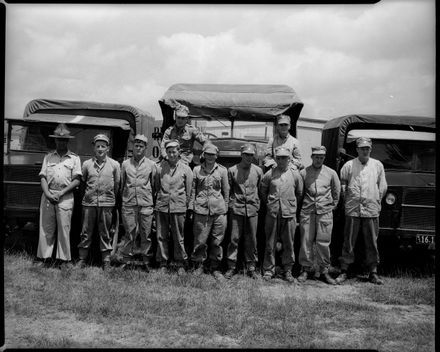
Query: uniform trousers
column 170, row 224
column 208, row 230
column 243, row 226
column 315, row 229
column 282, row 229
column 137, row 222
column 92, row 216
column 55, row 218
column 369, row 228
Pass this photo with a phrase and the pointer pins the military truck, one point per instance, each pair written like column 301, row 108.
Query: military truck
column 27, row 141
column 233, row 114
column 406, row 147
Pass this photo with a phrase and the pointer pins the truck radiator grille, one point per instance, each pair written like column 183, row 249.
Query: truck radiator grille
column 419, row 196
column 21, row 174
column 418, row 218
column 24, row 196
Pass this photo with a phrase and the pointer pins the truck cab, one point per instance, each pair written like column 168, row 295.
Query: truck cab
column 406, row 147
column 232, row 114
column 27, row 142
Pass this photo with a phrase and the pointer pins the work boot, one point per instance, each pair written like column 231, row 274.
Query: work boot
column 341, row 278
column 163, row 269
column 81, row 263
column 106, row 266
column 288, row 277
column 199, row 271
column 328, row 279
column 253, row 274
column 375, row 279
column 303, row 276
column 229, row 274
column 218, row 275
column 267, row 276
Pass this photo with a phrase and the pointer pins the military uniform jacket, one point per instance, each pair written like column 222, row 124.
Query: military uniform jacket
column 280, row 190
column 186, row 137
column 60, row 171
column 174, row 187
column 102, row 182
column 365, row 187
column 210, row 190
column 244, row 184
column 289, row 142
column 137, row 180
column 321, row 190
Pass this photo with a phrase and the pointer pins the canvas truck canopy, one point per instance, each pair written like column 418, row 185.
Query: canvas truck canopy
column 335, row 131
column 133, row 115
column 231, row 101
column 76, row 120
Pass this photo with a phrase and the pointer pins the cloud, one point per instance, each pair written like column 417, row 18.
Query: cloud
column 340, row 59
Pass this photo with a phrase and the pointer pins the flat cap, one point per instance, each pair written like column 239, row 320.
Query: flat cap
column 171, row 144
column 282, row 151
column 247, row 149
column 210, row 148
column 101, row 137
column 363, row 142
column 141, row 137
column 61, row 132
column 283, row 119
column 181, row 110
column 321, row 150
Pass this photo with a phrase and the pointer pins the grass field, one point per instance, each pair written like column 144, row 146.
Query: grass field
column 79, row 308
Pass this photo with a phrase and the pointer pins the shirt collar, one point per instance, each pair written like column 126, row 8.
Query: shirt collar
column 213, row 168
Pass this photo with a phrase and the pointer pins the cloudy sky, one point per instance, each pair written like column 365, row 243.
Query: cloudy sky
column 340, row 59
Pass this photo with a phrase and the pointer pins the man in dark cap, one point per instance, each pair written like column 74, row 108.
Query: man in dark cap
column 363, row 187
column 321, row 195
column 102, row 176
column 184, row 133
column 244, row 203
column 60, row 174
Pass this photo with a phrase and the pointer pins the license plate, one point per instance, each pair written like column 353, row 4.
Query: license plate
column 425, row 239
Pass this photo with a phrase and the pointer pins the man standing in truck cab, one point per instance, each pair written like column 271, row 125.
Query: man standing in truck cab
column 209, row 202
column 284, row 139
column 184, row 133
column 102, row 176
column 281, row 188
column 244, row 203
column 60, row 174
column 173, row 183
column 363, row 187
column 321, row 195
column 137, row 189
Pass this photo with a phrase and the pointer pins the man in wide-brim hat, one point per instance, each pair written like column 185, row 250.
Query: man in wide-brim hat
column 60, row 174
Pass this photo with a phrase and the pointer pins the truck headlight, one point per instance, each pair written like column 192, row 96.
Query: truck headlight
column 390, row 198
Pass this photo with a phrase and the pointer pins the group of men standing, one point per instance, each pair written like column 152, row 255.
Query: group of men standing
column 210, row 196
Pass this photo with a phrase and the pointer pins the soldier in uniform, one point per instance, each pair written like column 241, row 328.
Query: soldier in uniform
column 102, row 176
column 363, row 187
column 173, row 181
column 209, row 202
column 184, row 133
column 284, row 139
column 281, row 187
column 321, row 195
column 60, row 174
column 137, row 188
column 244, row 203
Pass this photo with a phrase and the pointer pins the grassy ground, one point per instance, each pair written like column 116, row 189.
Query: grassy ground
column 79, row 308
